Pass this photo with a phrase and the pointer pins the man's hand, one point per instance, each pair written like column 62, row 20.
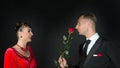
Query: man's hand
column 62, row 61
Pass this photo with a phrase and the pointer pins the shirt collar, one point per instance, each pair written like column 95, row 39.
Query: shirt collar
column 93, row 37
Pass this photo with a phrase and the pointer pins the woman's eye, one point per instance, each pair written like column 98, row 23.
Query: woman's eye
column 28, row 30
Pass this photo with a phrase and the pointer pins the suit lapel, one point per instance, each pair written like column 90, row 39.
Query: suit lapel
column 92, row 51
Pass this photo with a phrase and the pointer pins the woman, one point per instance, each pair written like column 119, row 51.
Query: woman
column 21, row 55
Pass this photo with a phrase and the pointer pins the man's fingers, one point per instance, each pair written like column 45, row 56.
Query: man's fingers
column 60, row 59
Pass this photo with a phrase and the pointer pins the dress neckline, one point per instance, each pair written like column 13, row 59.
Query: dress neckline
column 23, row 49
column 22, row 56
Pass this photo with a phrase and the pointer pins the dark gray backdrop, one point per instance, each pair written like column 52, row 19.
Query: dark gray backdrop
column 50, row 20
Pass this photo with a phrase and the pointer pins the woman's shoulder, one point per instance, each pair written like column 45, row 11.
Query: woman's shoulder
column 9, row 50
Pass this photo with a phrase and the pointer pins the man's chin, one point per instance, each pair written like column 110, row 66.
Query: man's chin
column 80, row 34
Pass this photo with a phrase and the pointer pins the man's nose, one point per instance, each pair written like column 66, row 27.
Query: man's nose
column 76, row 27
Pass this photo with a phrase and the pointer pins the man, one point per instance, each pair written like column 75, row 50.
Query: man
column 100, row 53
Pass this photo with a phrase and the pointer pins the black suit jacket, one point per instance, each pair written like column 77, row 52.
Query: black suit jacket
column 103, row 54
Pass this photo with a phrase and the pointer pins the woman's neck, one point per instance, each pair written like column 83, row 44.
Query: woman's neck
column 22, row 43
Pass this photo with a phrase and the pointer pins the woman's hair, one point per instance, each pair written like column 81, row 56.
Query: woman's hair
column 20, row 25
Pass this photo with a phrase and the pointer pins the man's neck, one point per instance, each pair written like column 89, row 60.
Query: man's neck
column 90, row 34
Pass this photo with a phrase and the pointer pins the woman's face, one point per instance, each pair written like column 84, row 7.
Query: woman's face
column 26, row 34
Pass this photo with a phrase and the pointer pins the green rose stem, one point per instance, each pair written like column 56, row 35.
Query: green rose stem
column 67, row 43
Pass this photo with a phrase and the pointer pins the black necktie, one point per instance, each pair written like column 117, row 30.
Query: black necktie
column 84, row 53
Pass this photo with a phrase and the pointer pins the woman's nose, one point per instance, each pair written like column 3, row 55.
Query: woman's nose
column 31, row 33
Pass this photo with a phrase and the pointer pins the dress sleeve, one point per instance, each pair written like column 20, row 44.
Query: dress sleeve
column 8, row 58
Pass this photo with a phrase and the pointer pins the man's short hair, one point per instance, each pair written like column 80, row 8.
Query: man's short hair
column 90, row 16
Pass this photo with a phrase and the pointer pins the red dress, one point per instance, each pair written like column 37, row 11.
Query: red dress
column 13, row 59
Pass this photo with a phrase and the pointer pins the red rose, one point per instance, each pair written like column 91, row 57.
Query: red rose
column 71, row 30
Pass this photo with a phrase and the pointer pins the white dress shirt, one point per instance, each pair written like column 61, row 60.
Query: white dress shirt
column 92, row 42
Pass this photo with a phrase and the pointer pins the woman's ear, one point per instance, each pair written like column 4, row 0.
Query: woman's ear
column 19, row 34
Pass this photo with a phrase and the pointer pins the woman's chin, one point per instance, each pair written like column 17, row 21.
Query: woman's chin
column 29, row 40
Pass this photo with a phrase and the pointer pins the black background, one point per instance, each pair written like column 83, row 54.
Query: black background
column 50, row 20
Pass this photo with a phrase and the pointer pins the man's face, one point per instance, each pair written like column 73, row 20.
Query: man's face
column 82, row 26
